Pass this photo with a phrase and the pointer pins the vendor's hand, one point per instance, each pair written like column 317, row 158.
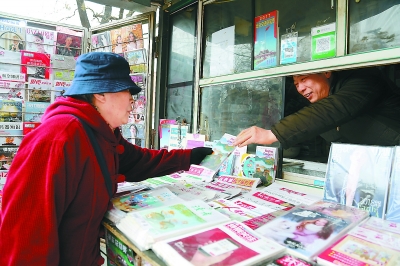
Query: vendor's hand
column 254, row 135
column 198, row 154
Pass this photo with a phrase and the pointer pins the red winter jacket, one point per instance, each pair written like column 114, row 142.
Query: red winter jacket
column 55, row 195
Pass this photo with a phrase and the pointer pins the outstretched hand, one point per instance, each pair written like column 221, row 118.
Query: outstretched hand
column 199, row 153
column 254, row 135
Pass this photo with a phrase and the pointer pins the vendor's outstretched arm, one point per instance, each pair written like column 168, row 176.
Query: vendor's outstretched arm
column 255, row 135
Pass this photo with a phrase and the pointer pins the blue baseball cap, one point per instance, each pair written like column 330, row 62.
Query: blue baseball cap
column 100, row 72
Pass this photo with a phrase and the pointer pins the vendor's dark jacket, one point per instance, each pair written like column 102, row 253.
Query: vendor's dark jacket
column 363, row 107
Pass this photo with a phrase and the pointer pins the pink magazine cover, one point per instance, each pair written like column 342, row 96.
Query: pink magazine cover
column 35, row 65
column 231, row 243
column 363, row 246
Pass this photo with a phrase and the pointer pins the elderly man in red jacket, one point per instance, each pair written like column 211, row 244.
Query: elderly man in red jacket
column 56, row 192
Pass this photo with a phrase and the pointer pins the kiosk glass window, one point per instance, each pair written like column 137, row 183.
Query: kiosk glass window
column 182, row 54
column 373, row 25
column 230, row 108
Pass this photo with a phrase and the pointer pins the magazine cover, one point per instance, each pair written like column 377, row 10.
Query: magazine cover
column 288, row 260
column 177, row 136
column 139, row 79
column 28, row 127
column 35, row 65
column 69, row 42
column 350, row 214
column 323, row 41
column 11, row 90
column 136, row 57
column 59, row 88
column 221, row 151
column 352, row 176
column 10, row 111
column 264, row 199
column 139, row 68
column 34, row 111
column 118, row 251
column 254, row 207
column 10, row 134
column 39, row 90
column 41, row 40
column 10, row 61
column 363, row 246
column 145, row 227
column 304, row 232
column 117, row 41
column 132, row 36
column 62, row 67
column 7, row 154
column 266, row 171
column 12, row 37
column 295, row 197
column 231, row 243
column 266, row 40
column 393, row 207
column 101, row 42
column 144, row 200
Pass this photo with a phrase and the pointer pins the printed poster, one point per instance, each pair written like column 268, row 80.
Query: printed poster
column 323, row 41
column 222, row 46
column 266, row 40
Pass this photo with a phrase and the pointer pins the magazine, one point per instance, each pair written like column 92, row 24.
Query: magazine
column 10, row 61
column 231, row 166
column 101, row 42
column 34, row 111
column 12, row 37
column 231, row 243
column 289, row 195
column 10, row 134
column 132, row 37
column 59, row 88
column 39, row 90
column 28, row 127
column 306, row 232
column 62, row 67
column 69, row 42
column 10, row 111
column 136, row 57
column 145, row 227
column 143, row 200
column 364, row 245
column 288, row 260
column 221, row 150
column 352, row 176
column 41, row 40
column 264, row 199
column 266, row 40
column 244, row 183
column 35, row 65
column 12, row 90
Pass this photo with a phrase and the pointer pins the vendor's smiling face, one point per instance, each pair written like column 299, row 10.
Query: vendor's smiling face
column 313, row 87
